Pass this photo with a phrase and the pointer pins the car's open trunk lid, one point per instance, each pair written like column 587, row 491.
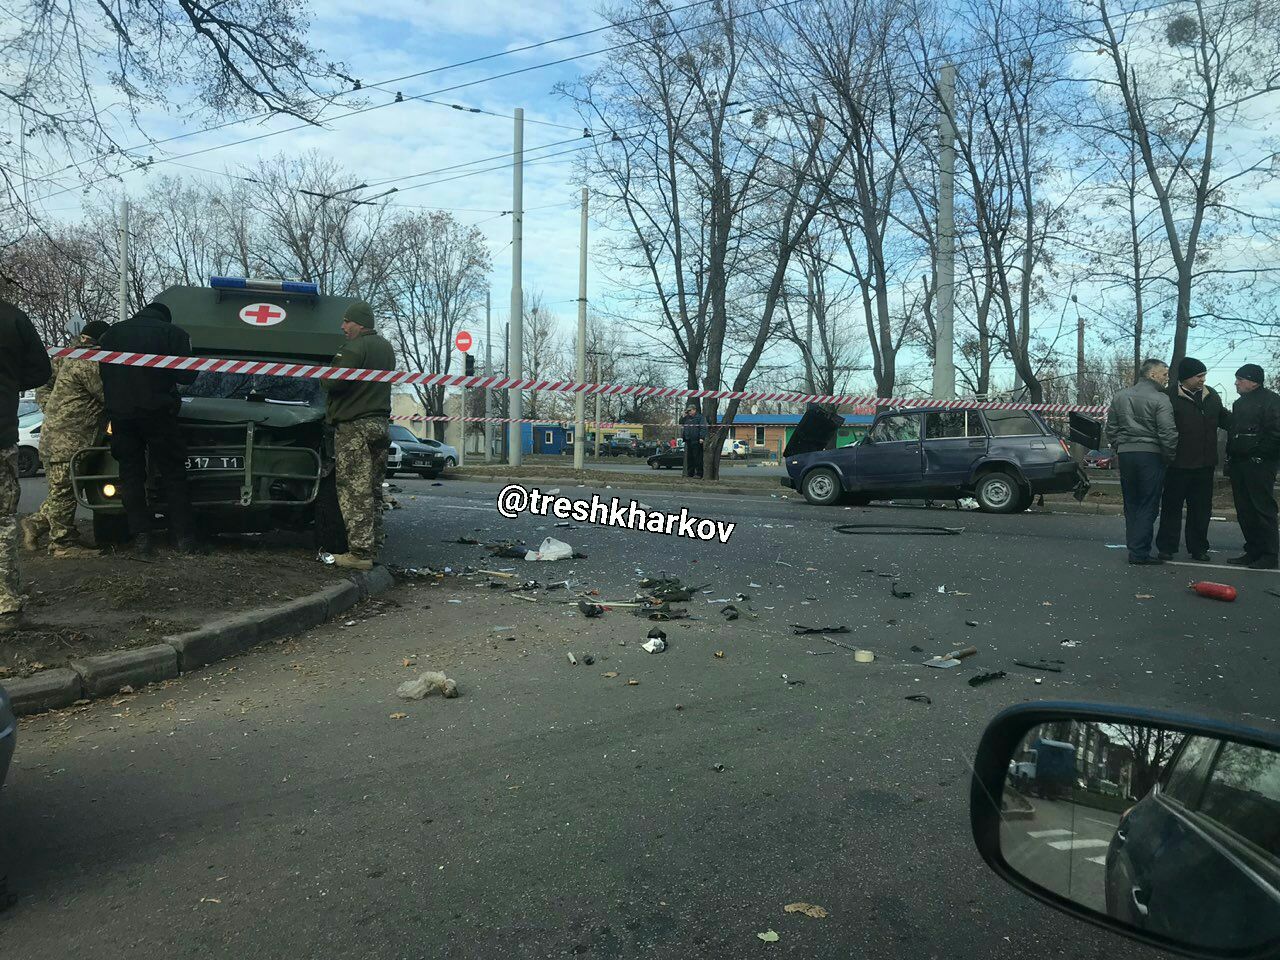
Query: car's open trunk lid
column 815, row 431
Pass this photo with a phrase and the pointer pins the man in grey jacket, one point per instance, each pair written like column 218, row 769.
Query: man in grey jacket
column 1142, row 429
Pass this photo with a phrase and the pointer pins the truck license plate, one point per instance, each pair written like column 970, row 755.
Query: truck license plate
column 215, row 463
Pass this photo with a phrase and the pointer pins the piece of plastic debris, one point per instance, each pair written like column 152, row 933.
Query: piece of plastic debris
column 863, row 656
column 326, row 558
column 1044, row 665
column 426, row 684
column 802, row 630
column 942, row 589
column 633, row 683
column 573, row 661
column 1070, row 643
column 590, row 609
column 901, row 594
column 919, row 698
column 654, row 646
column 718, row 767
column 756, row 585
column 808, row 909
column 982, row 678
column 769, row 936
column 1215, row 591
column 656, row 633
column 551, row 549
column 971, row 623
column 730, row 612
column 588, row 659
column 610, row 674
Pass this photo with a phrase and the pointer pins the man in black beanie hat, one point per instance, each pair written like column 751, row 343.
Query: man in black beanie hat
column 1253, row 451
column 1199, row 413
column 142, row 405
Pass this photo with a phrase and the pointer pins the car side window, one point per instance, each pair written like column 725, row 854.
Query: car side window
column 1243, row 794
column 1012, row 423
column 402, row 434
column 897, row 427
column 952, row 424
column 1186, row 777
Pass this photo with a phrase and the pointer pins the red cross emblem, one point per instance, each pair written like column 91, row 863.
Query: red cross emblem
column 262, row 314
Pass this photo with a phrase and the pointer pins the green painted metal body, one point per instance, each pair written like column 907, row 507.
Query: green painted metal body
column 257, row 447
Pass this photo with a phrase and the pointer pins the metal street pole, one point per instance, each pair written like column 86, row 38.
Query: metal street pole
column 944, row 372
column 516, row 343
column 597, row 408
column 1079, row 352
column 124, row 259
column 580, row 369
column 488, row 372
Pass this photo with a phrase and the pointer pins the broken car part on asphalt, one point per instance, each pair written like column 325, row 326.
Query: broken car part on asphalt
column 952, row 659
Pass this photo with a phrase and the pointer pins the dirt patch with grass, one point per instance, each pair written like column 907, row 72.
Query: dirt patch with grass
column 78, row 608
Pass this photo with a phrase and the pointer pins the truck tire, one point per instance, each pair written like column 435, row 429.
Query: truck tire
column 998, row 492
column 821, row 487
column 28, row 461
column 109, row 528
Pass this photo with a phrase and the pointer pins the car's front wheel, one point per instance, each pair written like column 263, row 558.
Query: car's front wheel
column 822, row 487
column 998, row 492
column 450, row 462
column 28, row 461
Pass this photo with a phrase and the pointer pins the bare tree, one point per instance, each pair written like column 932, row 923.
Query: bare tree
column 79, row 74
column 1181, row 79
column 544, row 350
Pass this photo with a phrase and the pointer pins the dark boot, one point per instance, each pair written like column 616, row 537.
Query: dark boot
column 144, row 545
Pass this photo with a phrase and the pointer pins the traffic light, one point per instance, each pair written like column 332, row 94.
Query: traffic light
column 470, row 370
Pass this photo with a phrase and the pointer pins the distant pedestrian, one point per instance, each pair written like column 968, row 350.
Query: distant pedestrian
column 1142, row 430
column 360, row 413
column 693, row 430
column 1199, row 413
column 142, row 405
column 1253, row 451
column 74, row 415
column 24, row 365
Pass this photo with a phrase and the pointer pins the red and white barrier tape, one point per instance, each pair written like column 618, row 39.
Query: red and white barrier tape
column 420, row 418
column 274, row 368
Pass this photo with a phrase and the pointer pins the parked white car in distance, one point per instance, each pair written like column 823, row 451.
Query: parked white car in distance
column 735, row 449
column 29, row 443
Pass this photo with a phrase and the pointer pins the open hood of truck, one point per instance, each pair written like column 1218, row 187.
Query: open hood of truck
column 816, row 431
column 265, row 413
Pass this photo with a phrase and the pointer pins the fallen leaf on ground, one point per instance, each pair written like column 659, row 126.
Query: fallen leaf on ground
column 769, row 936
column 808, row 909
column 398, row 716
column 610, row 675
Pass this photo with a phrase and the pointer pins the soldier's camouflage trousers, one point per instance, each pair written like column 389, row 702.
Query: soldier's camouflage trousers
column 360, row 451
column 10, row 598
column 57, row 514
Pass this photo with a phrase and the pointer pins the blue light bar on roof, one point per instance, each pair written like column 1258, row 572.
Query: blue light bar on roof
column 279, row 286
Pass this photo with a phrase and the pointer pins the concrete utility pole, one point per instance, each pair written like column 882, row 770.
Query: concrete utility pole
column 488, row 372
column 1079, row 352
column 580, row 369
column 515, row 368
column 124, row 260
column 944, row 371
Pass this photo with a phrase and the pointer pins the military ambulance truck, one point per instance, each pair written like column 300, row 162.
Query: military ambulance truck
column 258, row 455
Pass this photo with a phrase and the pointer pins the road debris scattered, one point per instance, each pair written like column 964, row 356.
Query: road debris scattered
column 719, row 654
column 808, row 909
column 730, row 612
column 551, row 549
column 655, row 633
column 589, row 609
column 919, row 698
column 573, row 661
column 900, row 594
column 952, row 659
column 426, row 684
column 982, row 678
column 1215, row 591
column 769, row 936
column 398, row 716
column 609, row 675
column 1044, row 665
column 792, row 683
column 656, row 645
column 839, row 644
column 863, row 656
column 802, row 631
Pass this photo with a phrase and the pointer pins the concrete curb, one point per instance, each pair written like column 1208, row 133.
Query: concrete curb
column 106, row 674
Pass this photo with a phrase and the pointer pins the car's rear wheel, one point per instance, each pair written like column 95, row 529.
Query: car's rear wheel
column 998, row 492
column 110, row 528
column 822, row 487
column 28, row 461
column 653, row 464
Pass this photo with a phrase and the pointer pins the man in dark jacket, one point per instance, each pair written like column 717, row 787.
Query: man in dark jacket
column 142, row 406
column 693, row 430
column 24, row 365
column 1141, row 429
column 1253, row 452
column 1199, row 413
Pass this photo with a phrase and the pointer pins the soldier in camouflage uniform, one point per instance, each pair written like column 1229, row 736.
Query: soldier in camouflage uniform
column 74, row 414
column 24, row 365
column 360, row 413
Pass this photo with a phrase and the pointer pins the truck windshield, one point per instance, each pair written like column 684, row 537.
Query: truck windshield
column 236, row 386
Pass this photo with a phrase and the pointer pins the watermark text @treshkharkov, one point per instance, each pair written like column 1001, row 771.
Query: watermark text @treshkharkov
column 514, row 499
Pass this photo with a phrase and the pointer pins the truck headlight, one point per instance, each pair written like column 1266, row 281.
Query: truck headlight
column 108, row 489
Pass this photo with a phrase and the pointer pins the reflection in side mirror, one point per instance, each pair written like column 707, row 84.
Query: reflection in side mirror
column 1165, row 830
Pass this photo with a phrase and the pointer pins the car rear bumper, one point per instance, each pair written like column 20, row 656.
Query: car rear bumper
column 1066, row 476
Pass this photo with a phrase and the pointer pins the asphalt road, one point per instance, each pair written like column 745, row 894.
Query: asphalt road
column 1063, row 847
column 271, row 806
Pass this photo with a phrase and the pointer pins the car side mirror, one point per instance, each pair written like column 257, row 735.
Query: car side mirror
column 1161, row 827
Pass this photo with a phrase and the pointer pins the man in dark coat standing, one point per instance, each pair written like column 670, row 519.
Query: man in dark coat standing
column 142, row 406
column 693, row 430
column 1253, row 452
column 1199, row 414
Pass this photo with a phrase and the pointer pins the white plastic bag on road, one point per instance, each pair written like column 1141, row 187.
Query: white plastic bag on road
column 551, row 549
column 428, row 683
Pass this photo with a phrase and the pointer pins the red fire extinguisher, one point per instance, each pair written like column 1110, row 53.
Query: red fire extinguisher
column 1215, row 591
